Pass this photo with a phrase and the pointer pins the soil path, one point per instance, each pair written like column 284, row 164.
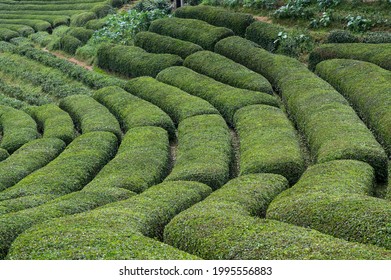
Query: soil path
column 71, row 59
column 265, row 19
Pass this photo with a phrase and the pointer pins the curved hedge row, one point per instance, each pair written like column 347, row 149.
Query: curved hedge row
column 367, row 87
column 178, row 104
column 265, row 34
column 69, row 44
column 156, row 43
column 237, row 22
column 268, row 142
column 341, row 209
column 227, row 71
column 23, row 30
column 80, row 33
column 122, row 230
column 82, row 18
column 3, row 154
column 225, row 226
column 204, row 151
column 225, row 98
column 89, row 115
column 142, row 161
column 134, row 61
column 67, row 173
column 192, row 30
column 53, row 122
column 379, row 54
column 132, row 111
column 18, row 128
column 38, row 25
column 7, row 34
column 28, row 158
column 332, row 128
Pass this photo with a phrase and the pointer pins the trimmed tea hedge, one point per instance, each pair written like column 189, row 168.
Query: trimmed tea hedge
column 134, row 61
column 265, row 34
column 7, row 34
column 18, row 128
column 67, row 173
column 379, row 54
column 156, row 43
column 367, row 87
column 178, row 104
column 121, row 230
column 36, row 24
column 332, row 128
column 227, row 71
column 89, row 115
column 341, row 209
column 92, row 79
column 225, row 226
column 132, row 111
column 142, row 161
column 53, row 121
column 23, row 30
column 82, row 18
column 204, row 151
column 28, row 158
column 192, row 30
column 3, row 154
column 268, row 142
column 80, row 33
column 225, row 98
column 237, row 22
column 69, row 44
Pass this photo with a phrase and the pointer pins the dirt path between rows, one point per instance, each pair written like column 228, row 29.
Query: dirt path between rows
column 264, row 19
column 71, row 59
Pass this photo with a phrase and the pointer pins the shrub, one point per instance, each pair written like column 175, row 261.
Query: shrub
column 332, row 128
column 132, row 111
column 21, row 42
column 155, row 43
column 89, row 115
column 225, row 226
column 67, row 173
column 367, row 87
column 3, row 154
column 227, row 71
column 178, row 104
column 80, row 33
column 53, row 121
column 237, row 22
column 268, row 142
column 265, row 34
column 204, row 151
column 136, row 220
column 379, row 54
column 342, row 210
column 69, row 44
column 192, row 30
column 7, row 34
column 341, row 36
column 28, row 158
column 141, row 162
column 18, row 128
column 134, row 61
column 41, row 38
column 101, row 10
column 223, row 97
column 376, row 38
column 358, row 23
column 82, row 18
column 95, row 24
column 23, row 30
column 37, row 25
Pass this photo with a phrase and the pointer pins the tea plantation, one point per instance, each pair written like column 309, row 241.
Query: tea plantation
column 193, row 133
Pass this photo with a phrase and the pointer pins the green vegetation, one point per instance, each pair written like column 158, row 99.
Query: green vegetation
column 18, row 128
column 268, row 142
column 225, row 226
column 7, row 34
column 332, row 128
column 178, row 104
column 192, row 30
column 28, row 158
column 134, row 61
column 155, row 43
column 227, row 71
column 332, row 198
column 67, row 173
column 225, row 98
column 379, row 54
column 3, row 154
column 132, row 111
column 123, row 230
column 204, row 151
column 53, row 122
column 89, row 115
column 237, row 22
column 367, row 87
column 265, row 34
